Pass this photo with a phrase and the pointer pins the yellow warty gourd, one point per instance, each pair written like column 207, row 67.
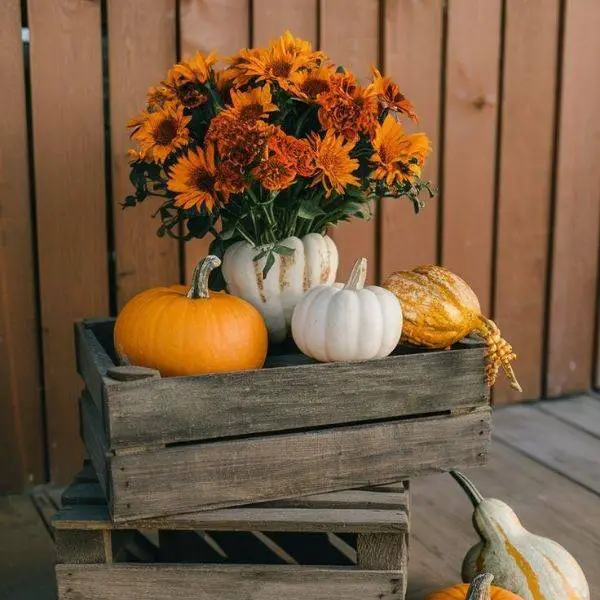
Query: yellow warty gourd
column 439, row 309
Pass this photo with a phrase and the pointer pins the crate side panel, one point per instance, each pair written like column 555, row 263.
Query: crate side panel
column 94, row 439
column 226, row 582
column 269, row 400
column 193, row 477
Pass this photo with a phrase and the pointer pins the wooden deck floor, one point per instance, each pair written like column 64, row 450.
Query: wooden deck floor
column 545, row 463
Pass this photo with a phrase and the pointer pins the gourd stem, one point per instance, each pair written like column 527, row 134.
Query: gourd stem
column 474, row 496
column 480, row 587
column 199, row 288
column 357, row 278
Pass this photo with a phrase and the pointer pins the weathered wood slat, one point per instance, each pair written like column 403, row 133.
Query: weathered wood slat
column 229, row 404
column 227, row 582
column 583, row 412
column 183, row 478
column 94, row 439
column 83, row 547
column 553, row 443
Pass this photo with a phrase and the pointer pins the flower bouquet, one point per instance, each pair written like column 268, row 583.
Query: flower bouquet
column 266, row 154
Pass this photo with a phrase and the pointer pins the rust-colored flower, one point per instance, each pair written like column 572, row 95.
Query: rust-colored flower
column 229, row 179
column 295, row 152
column 334, row 167
column 389, row 95
column 274, row 173
column 240, row 142
column 193, row 179
column 348, row 108
column 187, row 78
column 253, row 104
column 398, row 157
column 162, row 132
column 311, row 83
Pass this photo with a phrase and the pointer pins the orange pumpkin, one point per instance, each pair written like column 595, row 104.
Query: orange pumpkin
column 479, row 589
column 439, row 309
column 189, row 332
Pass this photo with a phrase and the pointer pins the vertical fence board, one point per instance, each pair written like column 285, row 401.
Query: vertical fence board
column 573, row 299
column 207, row 25
column 349, row 34
column 66, row 71
column 272, row 19
column 141, row 49
column 21, row 426
column 412, row 57
column 528, row 108
column 472, row 64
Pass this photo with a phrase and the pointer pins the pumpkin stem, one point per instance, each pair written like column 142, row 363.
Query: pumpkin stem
column 357, row 278
column 480, row 587
column 199, row 288
column 472, row 492
column 500, row 353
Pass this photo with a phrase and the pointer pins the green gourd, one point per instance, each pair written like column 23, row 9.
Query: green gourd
column 534, row 567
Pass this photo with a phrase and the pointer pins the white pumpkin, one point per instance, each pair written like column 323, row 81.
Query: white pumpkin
column 314, row 262
column 348, row 322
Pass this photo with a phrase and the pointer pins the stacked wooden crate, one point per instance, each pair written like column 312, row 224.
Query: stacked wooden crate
column 297, row 463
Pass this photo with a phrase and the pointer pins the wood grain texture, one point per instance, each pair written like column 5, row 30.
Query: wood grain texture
column 227, row 582
column 412, row 57
column 471, row 105
column 272, row 19
column 381, row 551
column 21, row 426
column 582, row 412
column 349, row 35
column 528, row 109
column 221, row 25
column 554, row 443
column 141, row 50
column 573, row 297
column 185, row 478
column 68, row 144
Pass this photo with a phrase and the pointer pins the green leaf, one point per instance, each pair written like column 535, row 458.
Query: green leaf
column 309, row 212
column 262, row 254
column 283, row 250
column 268, row 264
column 199, row 226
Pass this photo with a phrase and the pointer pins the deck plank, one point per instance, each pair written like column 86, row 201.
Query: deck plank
column 554, row 443
column 546, row 503
column 581, row 411
column 26, row 552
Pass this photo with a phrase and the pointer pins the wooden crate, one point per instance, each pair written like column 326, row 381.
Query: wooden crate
column 349, row 545
column 177, row 445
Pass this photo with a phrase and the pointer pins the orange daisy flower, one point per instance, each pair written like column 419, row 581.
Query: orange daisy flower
column 193, row 179
column 162, row 132
column 398, row 157
column 186, row 79
column 253, row 104
column 334, row 167
column 347, row 108
column 389, row 95
column 310, row 84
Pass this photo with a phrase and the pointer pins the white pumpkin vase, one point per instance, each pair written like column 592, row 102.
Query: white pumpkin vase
column 348, row 321
column 313, row 262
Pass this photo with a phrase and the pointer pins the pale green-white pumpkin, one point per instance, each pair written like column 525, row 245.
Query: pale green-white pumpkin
column 534, row 567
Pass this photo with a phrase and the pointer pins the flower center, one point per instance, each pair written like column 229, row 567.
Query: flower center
column 202, row 180
column 166, row 132
column 313, row 87
column 251, row 112
column 281, row 68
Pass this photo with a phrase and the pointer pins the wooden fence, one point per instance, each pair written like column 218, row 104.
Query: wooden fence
column 508, row 90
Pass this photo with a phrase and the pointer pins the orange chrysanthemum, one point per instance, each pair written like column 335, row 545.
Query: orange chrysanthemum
column 389, row 95
column 334, row 167
column 193, row 179
column 273, row 173
column 253, row 104
column 186, row 79
column 348, row 108
column 240, row 142
column 277, row 63
column 297, row 153
column 162, row 132
column 310, row 84
column 398, row 157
